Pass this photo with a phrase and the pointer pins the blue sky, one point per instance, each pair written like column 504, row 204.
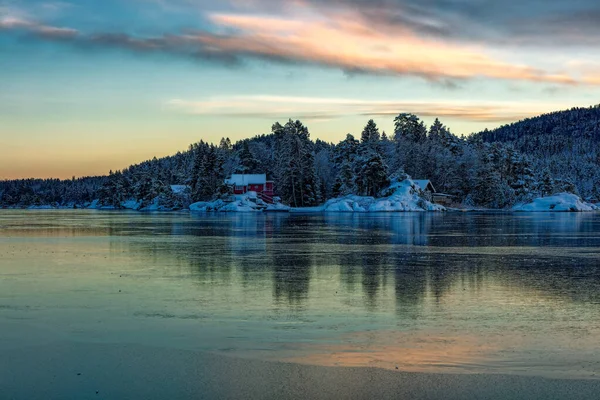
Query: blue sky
column 88, row 86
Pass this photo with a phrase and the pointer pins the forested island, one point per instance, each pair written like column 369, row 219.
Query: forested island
column 497, row 169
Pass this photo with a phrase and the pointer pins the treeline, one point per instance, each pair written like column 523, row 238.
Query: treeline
column 562, row 145
column 50, row 192
column 308, row 172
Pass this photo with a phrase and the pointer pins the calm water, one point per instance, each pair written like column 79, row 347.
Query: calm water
column 454, row 292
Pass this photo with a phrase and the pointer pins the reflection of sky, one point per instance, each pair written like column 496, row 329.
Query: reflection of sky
column 91, row 86
column 354, row 290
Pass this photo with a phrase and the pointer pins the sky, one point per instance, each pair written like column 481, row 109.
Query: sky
column 89, row 86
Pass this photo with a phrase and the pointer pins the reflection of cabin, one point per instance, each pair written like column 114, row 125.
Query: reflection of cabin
column 431, row 194
column 244, row 183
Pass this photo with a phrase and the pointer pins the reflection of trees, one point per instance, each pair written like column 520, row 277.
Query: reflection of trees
column 410, row 283
column 291, row 277
column 291, row 263
column 424, row 256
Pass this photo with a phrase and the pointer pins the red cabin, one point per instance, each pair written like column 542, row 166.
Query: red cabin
column 243, row 183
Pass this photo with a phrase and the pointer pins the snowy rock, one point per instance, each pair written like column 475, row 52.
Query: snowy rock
column 96, row 205
column 278, row 207
column 42, row 207
column 131, row 204
column 399, row 196
column 238, row 203
column 557, row 202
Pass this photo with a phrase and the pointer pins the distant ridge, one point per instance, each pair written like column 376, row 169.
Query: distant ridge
column 565, row 142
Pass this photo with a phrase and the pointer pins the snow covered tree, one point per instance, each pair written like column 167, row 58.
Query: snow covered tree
column 210, row 176
column 344, row 156
column 546, row 184
column 489, row 190
column 437, row 130
column 409, row 127
column 296, row 176
column 371, row 173
column 248, row 163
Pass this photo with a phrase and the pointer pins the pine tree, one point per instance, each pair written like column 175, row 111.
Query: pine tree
column 546, row 184
column 437, row 131
column 409, row 127
column 225, row 144
column 488, row 190
column 248, row 163
column 344, row 156
column 296, row 168
column 371, row 173
column 370, row 133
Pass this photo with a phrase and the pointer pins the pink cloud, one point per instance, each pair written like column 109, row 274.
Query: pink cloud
column 347, row 42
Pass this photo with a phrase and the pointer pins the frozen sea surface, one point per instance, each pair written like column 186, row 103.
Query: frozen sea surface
column 495, row 293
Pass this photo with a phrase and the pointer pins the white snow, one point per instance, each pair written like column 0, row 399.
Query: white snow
column 400, row 196
column 557, row 202
column 42, row 207
column 277, row 207
column 246, row 179
column 422, row 183
column 131, row 204
column 240, row 203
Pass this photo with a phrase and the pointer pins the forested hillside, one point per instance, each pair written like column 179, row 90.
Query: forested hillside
column 308, row 172
column 563, row 145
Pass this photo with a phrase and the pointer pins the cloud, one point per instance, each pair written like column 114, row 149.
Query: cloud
column 378, row 37
column 182, row 45
column 315, row 108
column 535, row 22
column 42, row 30
column 353, row 46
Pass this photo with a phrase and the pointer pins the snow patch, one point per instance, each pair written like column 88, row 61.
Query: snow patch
column 278, row 207
column 399, row 196
column 42, row 207
column 557, row 202
column 239, row 203
column 131, row 204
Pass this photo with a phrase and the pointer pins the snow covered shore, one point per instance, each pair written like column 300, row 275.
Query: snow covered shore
column 239, row 203
column 400, row 196
column 557, row 202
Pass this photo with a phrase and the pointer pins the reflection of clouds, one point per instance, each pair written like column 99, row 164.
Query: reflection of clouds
column 409, row 351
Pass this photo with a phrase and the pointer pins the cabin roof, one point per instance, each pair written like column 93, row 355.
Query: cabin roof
column 247, row 179
column 424, row 184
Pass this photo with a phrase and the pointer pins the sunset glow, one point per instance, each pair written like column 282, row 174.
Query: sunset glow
column 119, row 82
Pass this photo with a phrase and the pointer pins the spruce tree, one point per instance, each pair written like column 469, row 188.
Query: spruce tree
column 248, row 163
column 370, row 133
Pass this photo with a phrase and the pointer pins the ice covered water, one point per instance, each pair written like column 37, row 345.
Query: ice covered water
column 436, row 292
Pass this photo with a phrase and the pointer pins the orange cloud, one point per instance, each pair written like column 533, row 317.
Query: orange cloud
column 348, row 42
